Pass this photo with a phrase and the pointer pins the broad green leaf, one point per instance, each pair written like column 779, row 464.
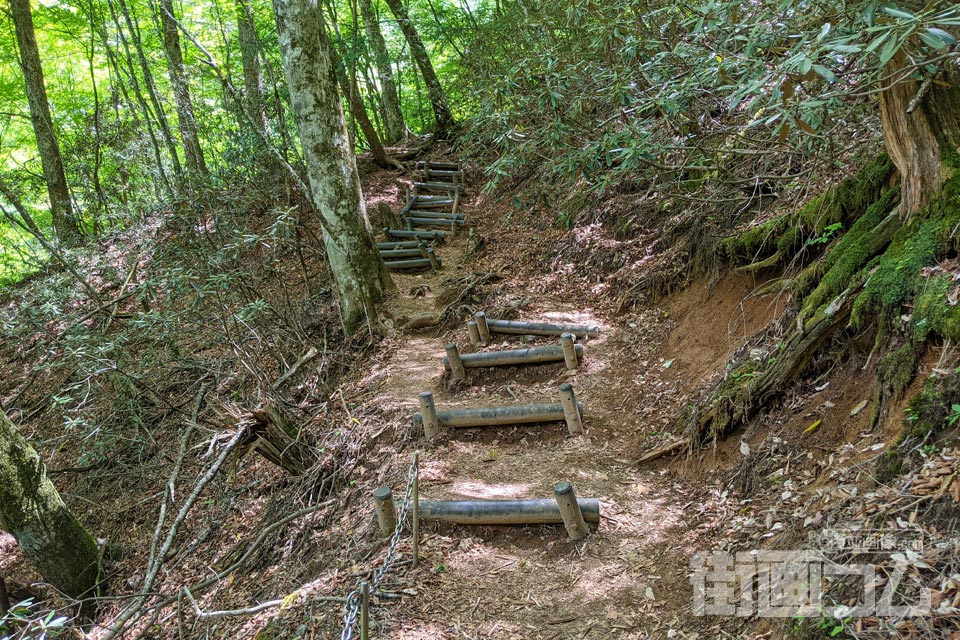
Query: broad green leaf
column 889, row 50
column 897, row 12
column 824, row 73
column 845, row 48
column 933, row 41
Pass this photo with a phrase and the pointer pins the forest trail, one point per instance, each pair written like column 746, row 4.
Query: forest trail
column 628, row 579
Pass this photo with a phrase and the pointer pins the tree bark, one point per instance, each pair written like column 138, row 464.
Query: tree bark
column 193, row 154
column 66, row 224
column 348, row 85
column 438, row 99
column 920, row 121
column 31, row 510
column 331, row 165
column 394, row 128
column 250, row 59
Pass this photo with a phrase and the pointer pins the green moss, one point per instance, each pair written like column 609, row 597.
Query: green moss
column 789, row 234
column 850, row 254
column 896, row 277
column 933, row 314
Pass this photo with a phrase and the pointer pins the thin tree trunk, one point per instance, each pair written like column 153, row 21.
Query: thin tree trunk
column 66, row 224
column 144, row 107
column 394, row 128
column 348, row 85
column 443, row 118
column 31, row 510
column 193, row 154
column 331, row 167
column 151, row 86
column 249, row 56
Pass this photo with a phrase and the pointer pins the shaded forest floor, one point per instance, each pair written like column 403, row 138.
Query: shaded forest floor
column 772, row 487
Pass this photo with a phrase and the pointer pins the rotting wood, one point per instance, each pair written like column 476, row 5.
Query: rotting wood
column 493, row 512
column 673, row 447
column 276, row 436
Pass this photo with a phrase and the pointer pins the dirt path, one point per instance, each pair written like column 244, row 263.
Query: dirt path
column 628, row 578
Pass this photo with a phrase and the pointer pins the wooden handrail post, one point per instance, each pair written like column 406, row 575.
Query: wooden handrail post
column 428, row 411
column 569, row 351
column 474, row 333
column 482, row 327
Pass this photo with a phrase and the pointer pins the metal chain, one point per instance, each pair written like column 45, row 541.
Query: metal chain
column 351, row 609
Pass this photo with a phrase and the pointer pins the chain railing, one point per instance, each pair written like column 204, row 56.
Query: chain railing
column 351, row 609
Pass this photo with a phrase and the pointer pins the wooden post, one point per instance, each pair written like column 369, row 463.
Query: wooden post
column 364, row 610
column 409, row 223
column 422, row 248
column 386, row 510
column 570, row 510
column 456, row 366
column 569, row 351
column 431, row 256
column 474, row 333
column 428, row 411
column 415, row 517
column 571, row 412
column 481, row 318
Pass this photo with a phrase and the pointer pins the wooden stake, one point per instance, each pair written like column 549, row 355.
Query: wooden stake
column 481, row 318
column 364, row 610
column 474, row 333
column 434, row 262
column 569, row 351
column 456, row 366
column 570, row 510
column 386, row 510
column 428, row 411
column 571, row 412
column 415, row 517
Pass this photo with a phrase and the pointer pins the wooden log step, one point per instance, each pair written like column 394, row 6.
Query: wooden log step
column 514, row 357
column 391, row 254
column 399, row 244
column 420, row 201
column 434, row 214
column 438, row 186
column 567, row 410
column 395, row 265
column 493, row 512
column 431, row 223
column 434, row 164
column 454, row 173
column 406, row 233
column 541, row 328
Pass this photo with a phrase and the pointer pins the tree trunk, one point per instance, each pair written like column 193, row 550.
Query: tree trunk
column 348, row 85
column 331, row 166
column 66, row 224
column 438, row 99
column 920, row 122
column 249, row 56
column 394, row 128
column 193, row 154
column 31, row 510
column 148, row 81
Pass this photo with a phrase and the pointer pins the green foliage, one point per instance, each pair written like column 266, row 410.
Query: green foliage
column 27, row 620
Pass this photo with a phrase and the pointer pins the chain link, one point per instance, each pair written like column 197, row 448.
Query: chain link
column 351, row 609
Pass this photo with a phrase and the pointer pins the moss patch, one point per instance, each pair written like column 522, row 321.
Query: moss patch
column 783, row 237
column 896, row 277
